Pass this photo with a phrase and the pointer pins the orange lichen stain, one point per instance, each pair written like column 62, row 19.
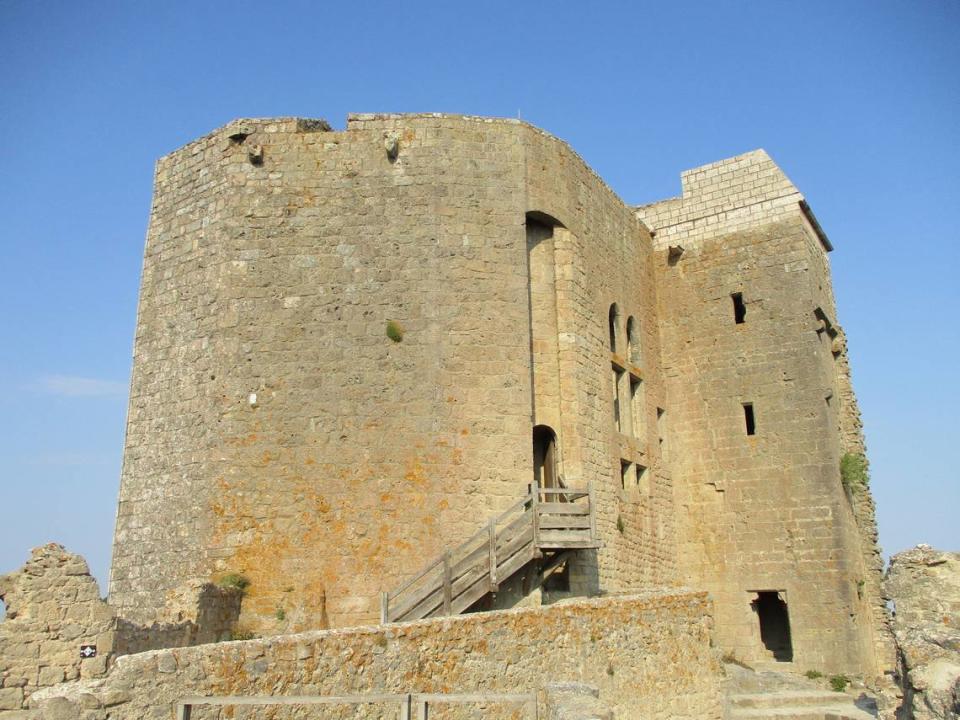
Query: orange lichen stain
column 465, row 431
column 385, row 497
column 414, row 471
column 451, row 398
column 266, row 457
column 309, row 461
column 443, row 505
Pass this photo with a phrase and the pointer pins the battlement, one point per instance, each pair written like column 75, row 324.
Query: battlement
column 726, row 196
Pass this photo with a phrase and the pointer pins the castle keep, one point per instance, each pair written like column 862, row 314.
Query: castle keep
column 431, row 366
column 355, row 349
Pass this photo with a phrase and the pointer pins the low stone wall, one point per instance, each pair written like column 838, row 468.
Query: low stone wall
column 649, row 656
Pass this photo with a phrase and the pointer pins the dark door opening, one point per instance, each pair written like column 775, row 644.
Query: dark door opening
column 545, row 456
column 774, row 619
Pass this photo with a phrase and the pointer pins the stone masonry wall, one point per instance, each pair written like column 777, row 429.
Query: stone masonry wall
column 276, row 432
column 604, row 257
column 726, row 196
column 53, row 606
column 650, row 657
column 762, row 512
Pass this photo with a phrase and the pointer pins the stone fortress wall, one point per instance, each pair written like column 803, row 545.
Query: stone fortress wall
column 276, row 432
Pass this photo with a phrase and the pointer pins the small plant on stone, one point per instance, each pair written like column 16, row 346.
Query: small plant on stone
column 620, row 526
column 234, row 581
column 838, row 683
column 853, row 472
column 813, row 674
column 280, row 614
column 242, row 634
column 394, row 331
column 610, row 670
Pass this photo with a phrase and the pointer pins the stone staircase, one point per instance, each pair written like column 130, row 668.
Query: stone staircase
column 770, row 695
column 545, row 525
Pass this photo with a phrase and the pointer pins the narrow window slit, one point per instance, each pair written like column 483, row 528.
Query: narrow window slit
column 739, row 309
column 618, row 374
column 749, row 418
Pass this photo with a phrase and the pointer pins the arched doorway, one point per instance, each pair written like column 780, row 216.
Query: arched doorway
column 545, row 456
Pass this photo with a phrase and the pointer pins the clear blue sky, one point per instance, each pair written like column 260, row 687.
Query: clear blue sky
column 859, row 102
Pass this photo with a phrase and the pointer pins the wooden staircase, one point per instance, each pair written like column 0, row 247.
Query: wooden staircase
column 548, row 521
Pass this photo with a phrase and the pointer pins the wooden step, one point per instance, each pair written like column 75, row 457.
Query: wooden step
column 565, row 522
column 462, row 576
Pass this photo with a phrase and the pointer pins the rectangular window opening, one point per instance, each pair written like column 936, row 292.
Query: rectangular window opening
column 749, row 419
column 626, row 470
column 739, row 309
column 642, row 479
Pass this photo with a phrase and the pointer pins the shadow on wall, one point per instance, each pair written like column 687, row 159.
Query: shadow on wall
column 216, row 613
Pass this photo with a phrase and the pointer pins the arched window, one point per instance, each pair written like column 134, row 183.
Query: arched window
column 614, row 326
column 633, row 341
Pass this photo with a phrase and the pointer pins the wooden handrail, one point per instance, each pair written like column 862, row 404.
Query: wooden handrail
column 496, row 550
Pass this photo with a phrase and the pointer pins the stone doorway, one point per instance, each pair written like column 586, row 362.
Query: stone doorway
column 545, row 456
column 770, row 607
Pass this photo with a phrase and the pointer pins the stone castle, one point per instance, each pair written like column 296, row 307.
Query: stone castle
column 431, row 365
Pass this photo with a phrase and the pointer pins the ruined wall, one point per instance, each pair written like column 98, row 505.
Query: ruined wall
column 54, row 609
column 53, row 606
column 650, row 657
column 761, row 512
column 274, row 429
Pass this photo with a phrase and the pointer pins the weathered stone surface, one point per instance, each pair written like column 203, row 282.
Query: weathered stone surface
column 53, row 607
column 924, row 585
column 297, row 444
column 575, row 701
column 764, row 511
column 648, row 657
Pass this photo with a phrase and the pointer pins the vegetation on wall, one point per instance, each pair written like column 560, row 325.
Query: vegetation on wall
column 838, row 683
column 234, row 581
column 394, row 331
column 853, row 471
